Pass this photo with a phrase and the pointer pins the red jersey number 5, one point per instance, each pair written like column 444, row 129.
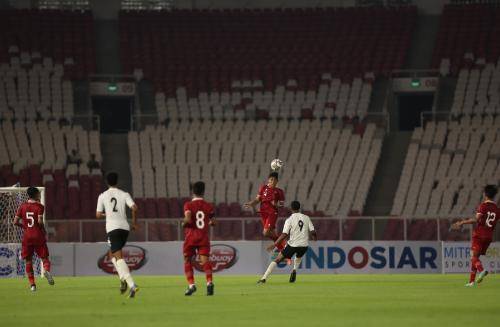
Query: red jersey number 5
column 31, row 220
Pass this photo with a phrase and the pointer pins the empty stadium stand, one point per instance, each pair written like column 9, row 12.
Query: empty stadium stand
column 447, row 165
column 233, row 157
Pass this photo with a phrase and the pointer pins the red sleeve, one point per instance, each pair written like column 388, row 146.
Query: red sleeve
column 282, row 195
column 187, row 207
column 42, row 210
column 482, row 209
column 261, row 190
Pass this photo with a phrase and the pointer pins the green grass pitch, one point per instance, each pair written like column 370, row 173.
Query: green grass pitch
column 314, row 300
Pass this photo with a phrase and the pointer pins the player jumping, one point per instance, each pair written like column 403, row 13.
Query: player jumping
column 270, row 198
column 487, row 217
column 198, row 216
column 111, row 206
column 299, row 228
column 30, row 213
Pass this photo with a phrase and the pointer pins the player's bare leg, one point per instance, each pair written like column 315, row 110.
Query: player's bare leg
column 271, row 267
column 124, row 272
column 188, row 271
column 30, row 273
column 207, row 267
column 46, row 271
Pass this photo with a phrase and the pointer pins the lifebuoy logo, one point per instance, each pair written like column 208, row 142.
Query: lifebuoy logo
column 222, row 257
column 134, row 256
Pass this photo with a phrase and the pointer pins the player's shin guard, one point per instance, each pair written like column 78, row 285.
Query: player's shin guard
column 476, row 263
column 46, row 264
column 29, row 272
column 122, row 267
column 188, row 271
column 207, row 267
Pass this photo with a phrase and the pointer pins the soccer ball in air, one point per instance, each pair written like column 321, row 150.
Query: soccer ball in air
column 276, row 164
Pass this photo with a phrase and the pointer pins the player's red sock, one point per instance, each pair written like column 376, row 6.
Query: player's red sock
column 207, row 267
column 46, row 264
column 282, row 245
column 476, row 263
column 188, row 271
column 29, row 272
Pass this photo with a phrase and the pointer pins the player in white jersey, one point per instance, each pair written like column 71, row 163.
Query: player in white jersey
column 299, row 229
column 111, row 205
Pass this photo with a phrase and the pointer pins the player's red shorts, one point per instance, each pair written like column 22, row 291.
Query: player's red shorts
column 269, row 219
column 38, row 246
column 191, row 247
column 480, row 245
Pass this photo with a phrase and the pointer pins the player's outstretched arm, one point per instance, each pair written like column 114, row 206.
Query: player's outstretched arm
column 100, row 215
column 252, row 203
column 313, row 236
column 468, row 221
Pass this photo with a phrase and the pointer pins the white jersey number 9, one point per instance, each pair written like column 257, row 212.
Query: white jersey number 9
column 200, row 219
column 490, row 219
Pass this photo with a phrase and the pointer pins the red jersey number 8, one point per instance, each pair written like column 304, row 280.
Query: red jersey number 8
column 490, row 219
column 200, row 219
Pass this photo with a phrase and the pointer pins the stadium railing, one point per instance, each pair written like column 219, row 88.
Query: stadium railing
column 249, row 228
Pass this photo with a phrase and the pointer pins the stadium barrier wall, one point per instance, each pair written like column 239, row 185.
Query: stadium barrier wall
column 456, row 257
column 250, row 257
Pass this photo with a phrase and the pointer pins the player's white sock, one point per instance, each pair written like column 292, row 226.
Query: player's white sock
column 296, row 263
column 269, row 270
column 113, row 260
column 122, row 267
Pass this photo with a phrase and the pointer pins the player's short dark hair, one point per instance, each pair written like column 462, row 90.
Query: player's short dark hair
column 112, row 179
column 199, row 188
column 295, row 205
column 273, row 174
column 32, row 192
column 491, row 191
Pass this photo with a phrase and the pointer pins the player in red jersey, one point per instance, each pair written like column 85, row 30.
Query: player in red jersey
column 198, row 216
column 270, row 198
column 486, row 219
column 29, row 217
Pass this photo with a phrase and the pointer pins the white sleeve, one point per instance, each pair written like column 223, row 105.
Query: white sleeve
column 311, row 226
column 100, row 204
column 128, row 200
column 287, row 227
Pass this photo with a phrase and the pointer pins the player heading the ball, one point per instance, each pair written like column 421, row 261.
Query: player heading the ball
column 270, row 198
column 298, row 229
column 29, row 217
column 111, row 205
column 487, row 216
column 198, row 216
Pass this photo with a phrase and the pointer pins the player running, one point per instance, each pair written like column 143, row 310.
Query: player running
column 487, row 217
column 30, row 213
column 111, row 206
column 270, row 198
column 299, row 228
column 198, row 216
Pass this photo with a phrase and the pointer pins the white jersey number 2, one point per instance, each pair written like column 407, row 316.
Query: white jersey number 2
column 490, row 219
column 200, row 219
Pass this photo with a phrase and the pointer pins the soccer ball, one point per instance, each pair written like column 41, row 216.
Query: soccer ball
column 276, row 164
